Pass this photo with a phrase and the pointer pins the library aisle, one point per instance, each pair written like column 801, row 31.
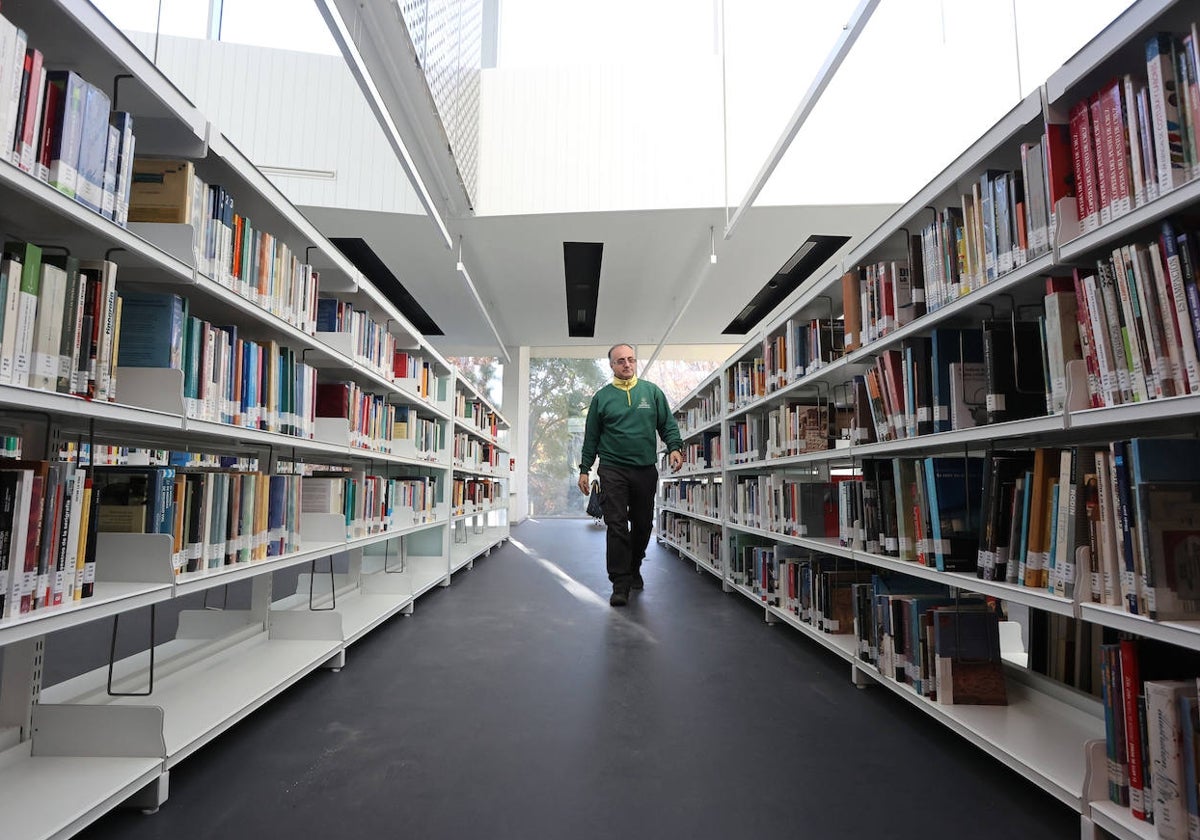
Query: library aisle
column 518, row 704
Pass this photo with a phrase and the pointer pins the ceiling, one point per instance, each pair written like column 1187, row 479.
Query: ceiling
column 652, row 263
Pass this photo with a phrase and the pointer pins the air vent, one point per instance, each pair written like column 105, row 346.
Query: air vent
column 799, row 267
column 581, row 269
column 368, row 262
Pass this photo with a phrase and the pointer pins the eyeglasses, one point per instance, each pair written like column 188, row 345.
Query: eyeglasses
column 622, row 361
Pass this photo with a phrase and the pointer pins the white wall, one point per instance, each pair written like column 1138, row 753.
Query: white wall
column 291, row 109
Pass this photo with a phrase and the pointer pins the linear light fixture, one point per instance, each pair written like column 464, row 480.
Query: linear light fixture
column 296, row 172
column 712, row 242
column 810, row 256
column 458, row 266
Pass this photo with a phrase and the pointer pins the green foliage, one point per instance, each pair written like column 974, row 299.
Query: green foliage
column 559, row 390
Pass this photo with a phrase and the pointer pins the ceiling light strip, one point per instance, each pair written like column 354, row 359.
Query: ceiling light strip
column 824, row 76
column 355, row 60
column 705, row 268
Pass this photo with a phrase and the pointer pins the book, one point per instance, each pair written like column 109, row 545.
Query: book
column 67, row 135
column 29, row 256
column 1166, row 754
column 1012, row 353
column 152, row 327
column 161, row 191
column 969, row 670
column 1165, row 495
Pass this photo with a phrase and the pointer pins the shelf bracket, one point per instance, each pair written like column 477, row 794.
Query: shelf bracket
column 112, row 655
column 312, row 574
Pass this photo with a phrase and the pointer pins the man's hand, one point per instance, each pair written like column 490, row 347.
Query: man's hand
column 676, row 460
column 585, row 486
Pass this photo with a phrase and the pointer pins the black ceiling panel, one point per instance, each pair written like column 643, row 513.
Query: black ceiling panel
column 581, row 269
column 808, row 258
column 374, row 269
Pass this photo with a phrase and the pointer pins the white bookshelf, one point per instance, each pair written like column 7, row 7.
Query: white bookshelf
column 1047, row 733
column 222, row 665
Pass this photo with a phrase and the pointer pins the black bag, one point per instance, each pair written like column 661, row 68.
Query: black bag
column 595, row 505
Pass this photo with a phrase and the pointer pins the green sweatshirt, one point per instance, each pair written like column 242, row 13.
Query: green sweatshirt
column 621, row 427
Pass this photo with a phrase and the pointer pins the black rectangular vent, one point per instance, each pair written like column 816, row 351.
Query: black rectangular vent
column 374, row 269
column 581, row 269
column 808, row 258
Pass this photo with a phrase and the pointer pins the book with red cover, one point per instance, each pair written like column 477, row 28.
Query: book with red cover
column 333, row 399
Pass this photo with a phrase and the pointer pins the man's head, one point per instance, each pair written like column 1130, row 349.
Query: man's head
column 623, row 361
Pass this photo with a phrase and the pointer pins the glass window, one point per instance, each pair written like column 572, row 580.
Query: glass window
column 559, row 393
column 281, row 24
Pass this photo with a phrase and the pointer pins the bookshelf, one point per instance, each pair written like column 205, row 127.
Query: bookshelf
column 481, row 465
column 1048, row 732
column 113, row 745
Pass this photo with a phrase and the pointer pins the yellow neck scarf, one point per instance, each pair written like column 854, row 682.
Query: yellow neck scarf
column 626, row 385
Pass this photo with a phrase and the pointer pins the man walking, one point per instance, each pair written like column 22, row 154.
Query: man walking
column 624, row 421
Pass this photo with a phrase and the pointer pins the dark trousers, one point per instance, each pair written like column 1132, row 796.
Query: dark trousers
column 629, row 515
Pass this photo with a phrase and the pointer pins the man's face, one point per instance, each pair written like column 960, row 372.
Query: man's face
column 623, row 361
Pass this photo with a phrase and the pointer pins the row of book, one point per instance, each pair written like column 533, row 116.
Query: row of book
column 60, row 325
column 424, row 435
column 369, row 341
column 226, row 378
column 1113, row 524
column 473, row 454
column 370, row 418
column 253, row 263
column 702, row 497
column 1152, row 734
column 699, row 538
column 802, row 347
column 215, row 517
column 1137, row 320
column 704, row 454
column 370, row 504
column 945, row 646
column 61, row 129
column 703, row 409
column 1136, row 138
column 794, row 506
column 418, row 372
column 468, row 495
column 476, row 413
column 47, row 535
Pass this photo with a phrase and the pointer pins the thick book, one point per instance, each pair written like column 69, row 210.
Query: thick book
column 1012, row 355
column 1165, row 494
column 152, row 330
column 969, row 670
column 948, row 344
column 953, row 487
column 161, row 191
column 1166, row 754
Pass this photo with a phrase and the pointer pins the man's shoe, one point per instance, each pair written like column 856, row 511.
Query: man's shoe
column 619, row 598
column 638, row 584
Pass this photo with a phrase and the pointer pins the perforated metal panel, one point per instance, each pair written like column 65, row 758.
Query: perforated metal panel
column 448, row 36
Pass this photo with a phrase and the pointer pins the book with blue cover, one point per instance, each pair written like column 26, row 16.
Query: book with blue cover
column 93, row 148
column 954, row 487
column 152, row 330
column 950, row 344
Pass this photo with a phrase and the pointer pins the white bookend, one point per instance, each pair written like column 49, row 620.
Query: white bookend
column 134, row 558
column 322, row 528
column 158, row 389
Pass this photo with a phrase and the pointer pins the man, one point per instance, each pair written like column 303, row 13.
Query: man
column 622, row 422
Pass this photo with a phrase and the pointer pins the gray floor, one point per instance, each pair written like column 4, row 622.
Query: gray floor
column 517, row 704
